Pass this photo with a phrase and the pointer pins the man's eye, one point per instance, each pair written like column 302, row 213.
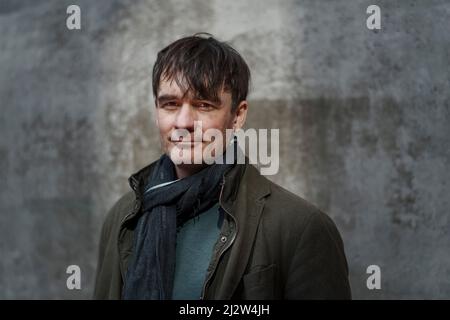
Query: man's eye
column 169, row 105
column 205, row 106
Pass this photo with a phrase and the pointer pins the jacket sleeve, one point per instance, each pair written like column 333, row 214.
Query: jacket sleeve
column 108, row 280
column 319, row 267
column 101, row 268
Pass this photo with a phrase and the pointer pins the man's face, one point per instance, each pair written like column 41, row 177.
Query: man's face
column 177, row 114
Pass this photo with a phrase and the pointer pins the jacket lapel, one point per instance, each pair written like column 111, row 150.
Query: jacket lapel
column 246, row 209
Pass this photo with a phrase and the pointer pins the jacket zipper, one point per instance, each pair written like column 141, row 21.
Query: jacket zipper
column 223, row 250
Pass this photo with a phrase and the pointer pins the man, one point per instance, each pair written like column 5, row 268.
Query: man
column 212, row 229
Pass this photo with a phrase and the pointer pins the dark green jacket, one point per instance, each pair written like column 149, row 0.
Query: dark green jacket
column 273, row 244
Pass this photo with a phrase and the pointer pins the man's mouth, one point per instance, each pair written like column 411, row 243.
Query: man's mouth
column 186, row 143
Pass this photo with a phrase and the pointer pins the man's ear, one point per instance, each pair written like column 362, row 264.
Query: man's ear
column 240, row 115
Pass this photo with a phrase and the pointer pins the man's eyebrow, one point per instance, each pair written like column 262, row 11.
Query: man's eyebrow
column 213, row 100
column 166, row 97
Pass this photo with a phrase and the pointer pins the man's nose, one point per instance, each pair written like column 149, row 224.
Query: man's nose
column 185, row 117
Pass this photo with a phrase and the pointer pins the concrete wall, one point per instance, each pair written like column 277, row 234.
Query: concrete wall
column 363, row 117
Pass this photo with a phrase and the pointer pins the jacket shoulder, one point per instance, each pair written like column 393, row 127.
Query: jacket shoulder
column 289, row 210
column 290, row 203
column 127, row 202
column 108, row 276
column 289, row 199
column 120, row 209
column 308, row 234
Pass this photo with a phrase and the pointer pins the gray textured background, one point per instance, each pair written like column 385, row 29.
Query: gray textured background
column 363, row 117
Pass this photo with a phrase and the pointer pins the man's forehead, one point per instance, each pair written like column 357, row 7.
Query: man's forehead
column 171, row 87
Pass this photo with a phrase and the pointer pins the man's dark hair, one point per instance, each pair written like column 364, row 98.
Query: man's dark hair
column 206, row 65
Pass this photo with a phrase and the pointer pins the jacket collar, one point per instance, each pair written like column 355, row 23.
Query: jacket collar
column 232, row 180
column 139, row 179
column 245, row 181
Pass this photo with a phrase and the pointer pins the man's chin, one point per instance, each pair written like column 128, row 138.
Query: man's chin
column 191, row 156
column 185, row 158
